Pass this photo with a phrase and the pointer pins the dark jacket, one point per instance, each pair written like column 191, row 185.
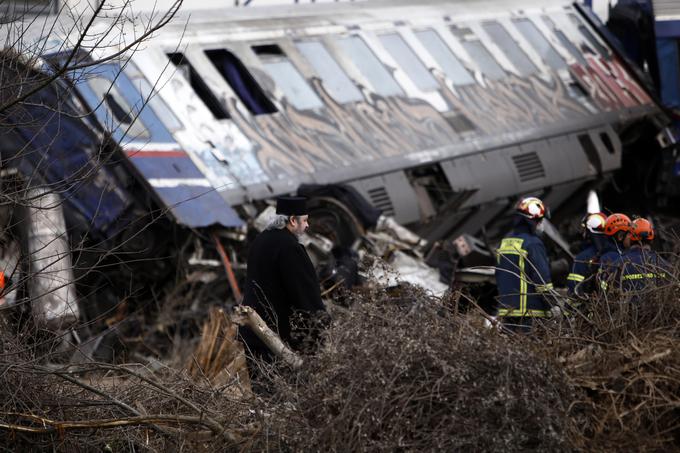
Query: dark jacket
column 611, row 263
column 280, row 280
column 581, row 280
column 522, row 274
column 643, row 269
column 585, row 264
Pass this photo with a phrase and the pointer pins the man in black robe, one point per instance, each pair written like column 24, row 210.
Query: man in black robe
column 281, row 279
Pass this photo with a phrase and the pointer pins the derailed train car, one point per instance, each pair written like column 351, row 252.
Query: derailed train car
column 440, row 114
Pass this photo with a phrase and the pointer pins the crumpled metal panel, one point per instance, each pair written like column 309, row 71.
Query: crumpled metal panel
column 179, row 185
column 182, row 188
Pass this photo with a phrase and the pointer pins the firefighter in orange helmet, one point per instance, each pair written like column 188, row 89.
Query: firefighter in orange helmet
column 643, row 268
column 616, row 228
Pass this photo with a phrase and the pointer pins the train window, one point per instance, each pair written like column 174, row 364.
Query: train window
column 158, row 105
column 594, row 42
column 292, row 84
column 241, row 81
column 151, row 98
column 486, row 62
column 445, row 57
column 122, row 112
column 409, row 62
column 117, row 98
column 287, row 77
column 199, row 86
column 334, row 79
column 509, row 46
column 369, row 65
column 565, row 41
column 540, row 43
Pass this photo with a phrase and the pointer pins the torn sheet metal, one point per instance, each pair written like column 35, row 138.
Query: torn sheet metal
column 182, row 187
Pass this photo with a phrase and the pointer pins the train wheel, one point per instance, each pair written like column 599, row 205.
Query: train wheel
column 332, row 219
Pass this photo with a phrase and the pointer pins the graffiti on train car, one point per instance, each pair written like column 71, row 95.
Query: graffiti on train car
column 294, row 141
column 514, row 102
column 303, row 141
column 299, row 141
column 609, row 84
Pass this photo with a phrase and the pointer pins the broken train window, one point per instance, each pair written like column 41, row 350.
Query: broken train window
column 241, row 81
column 200, row 87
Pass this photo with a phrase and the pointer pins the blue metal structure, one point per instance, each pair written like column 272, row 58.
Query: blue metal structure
column 154, row 154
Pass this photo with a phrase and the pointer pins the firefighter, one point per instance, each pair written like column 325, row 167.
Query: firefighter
column 523, row 270
column 616, row 228
column 643, row 267
column 586, row 263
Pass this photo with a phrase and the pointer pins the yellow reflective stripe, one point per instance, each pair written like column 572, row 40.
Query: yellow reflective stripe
column 513, row 246
column 526, row 313
column 522, row 286
column 544, row 288
column 576, row 277
column 641, row 276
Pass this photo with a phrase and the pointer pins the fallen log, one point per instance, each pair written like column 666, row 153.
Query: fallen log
column 246, row 316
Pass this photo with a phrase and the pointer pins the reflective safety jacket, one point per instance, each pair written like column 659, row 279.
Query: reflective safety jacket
column 585, row 265
column 643, row 269
column 523, row 275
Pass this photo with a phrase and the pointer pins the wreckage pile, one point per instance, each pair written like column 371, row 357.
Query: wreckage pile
column 398, row 370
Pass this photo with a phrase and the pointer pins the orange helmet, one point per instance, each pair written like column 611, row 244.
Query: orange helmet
column 594, row 222
column 531, row 208
column 616, row 223
column 641, row 230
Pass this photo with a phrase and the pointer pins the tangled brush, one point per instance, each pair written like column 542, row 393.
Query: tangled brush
column 401, row 373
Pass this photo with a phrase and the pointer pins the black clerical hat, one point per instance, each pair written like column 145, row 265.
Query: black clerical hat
column 291, row 206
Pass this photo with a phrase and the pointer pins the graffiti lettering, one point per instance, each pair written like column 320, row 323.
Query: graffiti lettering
column 609, row 84
column 513, row 103
column 293, row 142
